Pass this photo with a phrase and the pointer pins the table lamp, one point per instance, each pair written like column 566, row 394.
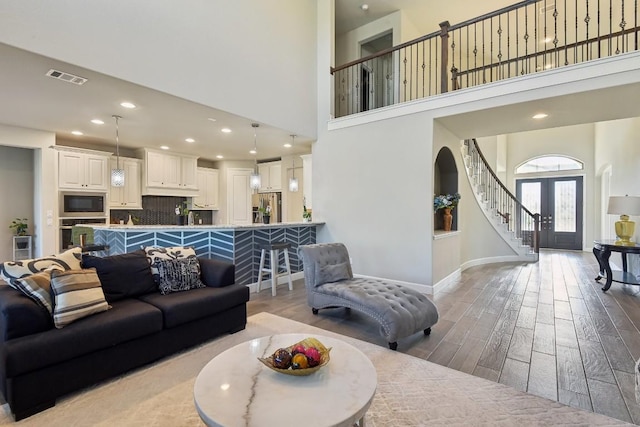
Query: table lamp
column 624, row 206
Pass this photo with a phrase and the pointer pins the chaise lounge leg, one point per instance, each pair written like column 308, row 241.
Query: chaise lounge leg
column 314, row 310
column 393, row 345
column 427, row 331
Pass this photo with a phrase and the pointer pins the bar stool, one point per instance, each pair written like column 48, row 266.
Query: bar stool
column 273, row 249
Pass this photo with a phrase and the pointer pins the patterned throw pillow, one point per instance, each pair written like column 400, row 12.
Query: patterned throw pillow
column 77, row 294
column 178, row 274
column 67, row 260
column 175, row 252
column 38, row 287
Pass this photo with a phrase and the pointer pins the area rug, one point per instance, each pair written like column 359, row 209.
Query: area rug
column 410, row 392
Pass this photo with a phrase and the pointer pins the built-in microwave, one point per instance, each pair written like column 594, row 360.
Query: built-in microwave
column 81, row 204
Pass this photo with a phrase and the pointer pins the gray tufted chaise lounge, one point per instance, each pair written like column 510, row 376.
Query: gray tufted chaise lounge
column 401, row 311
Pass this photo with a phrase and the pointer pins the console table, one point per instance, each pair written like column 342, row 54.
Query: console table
column 602, row 250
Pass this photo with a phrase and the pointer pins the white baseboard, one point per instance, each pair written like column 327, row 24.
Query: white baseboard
column 447, row 280
column 266, row 284
column 491, row 260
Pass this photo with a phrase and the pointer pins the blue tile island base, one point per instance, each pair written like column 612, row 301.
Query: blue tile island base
column 237, row 244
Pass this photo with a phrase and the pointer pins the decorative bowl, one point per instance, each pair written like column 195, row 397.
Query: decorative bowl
column 306, row 343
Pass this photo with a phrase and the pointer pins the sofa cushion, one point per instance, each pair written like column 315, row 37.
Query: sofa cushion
column 122, row 276
column 183, row 307
column 77, row 294
column 178, row 274
column 174, row 252
column 38, row 288
column 67, row 260
column 20, row 315
column 125, row 321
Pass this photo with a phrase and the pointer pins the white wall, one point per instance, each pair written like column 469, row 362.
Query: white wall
column 16, row 190
column 617, row 143
column 44, row 194
column 237, row 56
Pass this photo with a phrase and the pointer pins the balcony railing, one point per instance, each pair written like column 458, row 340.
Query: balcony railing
column 528, row 37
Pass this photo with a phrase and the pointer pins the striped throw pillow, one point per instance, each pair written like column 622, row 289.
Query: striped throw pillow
column 77, row 294
column 38, row 288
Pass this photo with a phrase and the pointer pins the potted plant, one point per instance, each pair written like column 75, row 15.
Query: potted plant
column 182, row 211
column 20, row 227
column 306, row 214
column 266, row 214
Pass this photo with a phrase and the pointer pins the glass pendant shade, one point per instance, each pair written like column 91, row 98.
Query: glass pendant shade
column 117, row 177
column 254, row 183
column 293, row 184
column 117, row 174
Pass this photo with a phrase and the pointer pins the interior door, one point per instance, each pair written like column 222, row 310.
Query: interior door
column 560, row 203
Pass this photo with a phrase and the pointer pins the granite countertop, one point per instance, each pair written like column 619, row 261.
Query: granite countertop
column 125, row 227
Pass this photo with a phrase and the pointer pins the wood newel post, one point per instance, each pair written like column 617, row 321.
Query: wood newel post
column 536, row 234
column 444, row 64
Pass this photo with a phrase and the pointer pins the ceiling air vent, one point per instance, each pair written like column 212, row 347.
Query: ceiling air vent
column 69, row 78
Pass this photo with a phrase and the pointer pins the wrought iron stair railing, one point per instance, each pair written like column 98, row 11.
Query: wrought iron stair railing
column 500, row 202
column 527, row 37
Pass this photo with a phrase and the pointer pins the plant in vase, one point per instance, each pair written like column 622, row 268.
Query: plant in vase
column 20, row 227
column 266, row 214
column 306, row 214
column 446, row 203
column 183, row 212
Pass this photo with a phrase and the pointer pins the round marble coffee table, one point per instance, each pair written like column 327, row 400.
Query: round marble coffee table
column 235, row 389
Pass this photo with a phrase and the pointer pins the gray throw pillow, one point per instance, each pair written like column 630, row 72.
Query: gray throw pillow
column 332, row 273
column 178, row 275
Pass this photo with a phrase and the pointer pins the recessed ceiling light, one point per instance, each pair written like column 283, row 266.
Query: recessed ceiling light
column 225, row 130
column 364, row 7
column 97, row 122
column 287, row 145
column 219, row 156
column 546, row 40
column 211, row 119
column 190, row 140
column 77, row 132
column 540, row 116
column 164, row 147
column 252, row 151
column 128, row 105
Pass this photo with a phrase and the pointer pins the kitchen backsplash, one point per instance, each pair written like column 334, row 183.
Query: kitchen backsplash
column 157, row 210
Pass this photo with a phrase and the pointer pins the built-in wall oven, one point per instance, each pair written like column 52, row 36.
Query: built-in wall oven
column 66, row 229
column 82, row 205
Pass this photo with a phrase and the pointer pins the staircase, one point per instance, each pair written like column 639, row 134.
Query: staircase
column 517, row 226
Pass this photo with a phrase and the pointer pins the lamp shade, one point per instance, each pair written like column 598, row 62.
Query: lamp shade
column 624, row 205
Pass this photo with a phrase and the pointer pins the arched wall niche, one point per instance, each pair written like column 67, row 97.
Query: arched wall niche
column 445, row 181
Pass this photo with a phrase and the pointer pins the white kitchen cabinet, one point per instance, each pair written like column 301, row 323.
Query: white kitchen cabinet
column 129, row 196
column 82, row 171
column 174, row 171
column 306, row 182
column 208, row 181
column 270, row 177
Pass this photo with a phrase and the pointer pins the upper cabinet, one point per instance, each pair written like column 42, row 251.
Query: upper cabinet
column 129, row 196
column 270, row 177
column 78, row 170
column 164, row 173
column 208, row 191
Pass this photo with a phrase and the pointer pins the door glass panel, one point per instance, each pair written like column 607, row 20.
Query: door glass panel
column 565, row 206
column 531, row 199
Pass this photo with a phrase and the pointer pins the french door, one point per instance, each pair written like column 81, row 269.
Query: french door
column 559, row 202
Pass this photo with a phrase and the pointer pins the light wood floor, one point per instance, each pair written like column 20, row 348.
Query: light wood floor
column 543, row 328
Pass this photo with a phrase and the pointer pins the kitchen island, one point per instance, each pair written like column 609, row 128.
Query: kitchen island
column 239, row 244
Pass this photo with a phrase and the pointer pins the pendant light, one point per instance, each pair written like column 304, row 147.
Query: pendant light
column 254, row 182
column 293, row 181
column 117, row 174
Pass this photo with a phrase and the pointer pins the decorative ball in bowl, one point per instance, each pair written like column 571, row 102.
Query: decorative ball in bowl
column 302, row 358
